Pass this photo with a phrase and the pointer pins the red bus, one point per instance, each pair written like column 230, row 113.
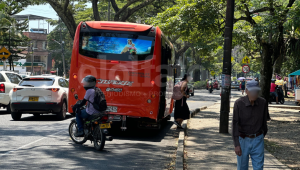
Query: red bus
column 134, row 67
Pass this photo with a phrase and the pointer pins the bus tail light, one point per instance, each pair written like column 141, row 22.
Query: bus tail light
column 2, row 88
column 152, row 82
column 75, row 76
column 72, row 90
column 149, row 100
column 153, row 95
column 84, row 25
column 114, row 61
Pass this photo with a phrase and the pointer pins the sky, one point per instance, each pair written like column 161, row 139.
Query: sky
column 40, row 10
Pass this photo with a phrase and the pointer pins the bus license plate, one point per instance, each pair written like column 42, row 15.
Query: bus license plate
column 33, row 99
column 104, row 126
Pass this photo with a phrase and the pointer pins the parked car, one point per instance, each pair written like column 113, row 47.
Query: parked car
column 216, row 84
column 235, row 85
column 40, row 94
column 8, row 80
column 248, row 79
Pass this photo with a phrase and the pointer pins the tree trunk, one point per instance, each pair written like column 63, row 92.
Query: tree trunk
column 66, row 16
column 278, row 64
column 266, row 70
column 95, row 10
column 196, row 75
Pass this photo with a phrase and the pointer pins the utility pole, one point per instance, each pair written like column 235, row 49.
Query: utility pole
column 226, row 75
column 108, row 13
column 10, row 60
column 62, row 50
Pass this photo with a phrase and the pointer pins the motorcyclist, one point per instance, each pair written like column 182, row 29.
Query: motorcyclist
column 210, row 83
column 89, row 82
column 273, row 90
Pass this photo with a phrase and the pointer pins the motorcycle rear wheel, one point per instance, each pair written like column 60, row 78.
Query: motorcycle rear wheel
column 72, row 130
column 99, row 139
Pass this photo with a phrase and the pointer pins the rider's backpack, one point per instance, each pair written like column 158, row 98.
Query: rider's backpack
column 99, row 100
column 177, row 95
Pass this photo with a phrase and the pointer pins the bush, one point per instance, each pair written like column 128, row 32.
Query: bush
column 200, row 84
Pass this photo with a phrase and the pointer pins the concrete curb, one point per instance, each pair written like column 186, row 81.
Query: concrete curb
column 180, row 145
column 285, row 107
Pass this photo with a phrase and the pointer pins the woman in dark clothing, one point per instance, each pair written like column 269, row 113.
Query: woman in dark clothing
column 182, row 111
column 243, row 85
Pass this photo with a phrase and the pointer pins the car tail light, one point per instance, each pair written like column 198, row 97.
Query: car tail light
column 2, row 88
column 54, row 89
column 16, row 89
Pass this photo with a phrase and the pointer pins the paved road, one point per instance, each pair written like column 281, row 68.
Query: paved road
column 43, row 143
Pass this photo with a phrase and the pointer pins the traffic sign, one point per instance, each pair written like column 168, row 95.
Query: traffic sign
column 4, row 53
column 246, row 68
column 212, row 73
column 246, row 60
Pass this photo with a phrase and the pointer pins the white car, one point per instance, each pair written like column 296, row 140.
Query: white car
column 40, row 94
column 8, row 80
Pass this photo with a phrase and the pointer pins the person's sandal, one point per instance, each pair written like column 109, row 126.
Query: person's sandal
column 176, row 123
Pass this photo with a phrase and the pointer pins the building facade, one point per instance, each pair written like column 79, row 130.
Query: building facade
column 37, row 55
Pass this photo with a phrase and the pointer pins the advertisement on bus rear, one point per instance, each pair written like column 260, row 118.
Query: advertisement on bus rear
column 116, row 45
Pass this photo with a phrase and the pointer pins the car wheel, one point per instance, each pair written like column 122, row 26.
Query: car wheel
column 36, row 115
column 63, row 111
column 16, row 115
column 8, row 110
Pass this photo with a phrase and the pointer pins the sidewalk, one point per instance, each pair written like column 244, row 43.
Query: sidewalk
column 286, row 105
column 208, row 149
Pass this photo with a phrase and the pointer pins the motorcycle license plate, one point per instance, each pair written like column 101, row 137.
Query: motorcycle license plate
column 33, row 99
column 104, row 126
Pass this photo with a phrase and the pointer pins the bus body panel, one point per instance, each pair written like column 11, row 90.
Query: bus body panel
column 127, row 85
column 118, row 26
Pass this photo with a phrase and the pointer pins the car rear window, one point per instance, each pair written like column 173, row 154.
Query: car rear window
column 36, row 82
column 2, row 79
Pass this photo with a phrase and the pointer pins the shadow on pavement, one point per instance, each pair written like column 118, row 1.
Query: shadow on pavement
column 45, row 117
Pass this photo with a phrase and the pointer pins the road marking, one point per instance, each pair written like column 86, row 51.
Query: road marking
column 9, row 152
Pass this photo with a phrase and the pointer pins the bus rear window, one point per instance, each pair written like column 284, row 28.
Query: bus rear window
column 115, row 46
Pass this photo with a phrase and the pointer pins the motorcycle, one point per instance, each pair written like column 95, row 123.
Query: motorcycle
column 280, row 96
column 211, row 89
column 95, row 129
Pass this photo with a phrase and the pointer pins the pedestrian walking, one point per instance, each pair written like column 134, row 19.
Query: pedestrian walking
column 249, row 126
column 243, row 84
column 285, row 86
column 182, row 111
